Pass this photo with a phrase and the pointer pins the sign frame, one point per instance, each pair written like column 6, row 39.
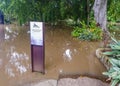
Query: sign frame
column 37, row 48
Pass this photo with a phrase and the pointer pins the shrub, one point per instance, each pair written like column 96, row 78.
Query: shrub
column 91, row 32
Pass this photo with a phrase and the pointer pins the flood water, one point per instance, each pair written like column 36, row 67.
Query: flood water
column 63, row 55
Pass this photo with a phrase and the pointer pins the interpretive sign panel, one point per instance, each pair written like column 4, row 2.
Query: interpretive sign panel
column 36, row 33
column 37, row 46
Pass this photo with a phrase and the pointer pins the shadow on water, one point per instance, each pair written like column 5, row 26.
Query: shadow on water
column 63, row 55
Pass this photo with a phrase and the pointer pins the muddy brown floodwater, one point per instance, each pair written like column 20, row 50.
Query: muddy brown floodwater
column 63, row 55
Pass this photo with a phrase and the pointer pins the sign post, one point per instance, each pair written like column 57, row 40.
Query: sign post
column 37, row 46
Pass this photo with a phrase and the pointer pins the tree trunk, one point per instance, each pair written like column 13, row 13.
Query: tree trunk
column 88, row 12
column 100, row 14
column 100, row 9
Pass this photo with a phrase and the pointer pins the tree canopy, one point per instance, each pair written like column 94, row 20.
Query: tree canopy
column 45, row 10
column 53, row 10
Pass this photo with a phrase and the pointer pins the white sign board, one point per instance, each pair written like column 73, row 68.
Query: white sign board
column 36, row 30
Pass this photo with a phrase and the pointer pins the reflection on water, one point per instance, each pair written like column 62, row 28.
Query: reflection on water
column 16, row 60
column 2, row 34
column 10, row 34
column 1, row 62
column 63, row 54
column 67, row 55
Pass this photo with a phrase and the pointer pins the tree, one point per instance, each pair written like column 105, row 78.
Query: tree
column 45, row 10
column 100, row 13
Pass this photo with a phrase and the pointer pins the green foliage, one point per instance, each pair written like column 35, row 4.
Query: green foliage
column 113, row 10
column 91, row 32
column 111, row 26
column 71, row 22
column 114, row 29
column 49, row 11
column 54, row 10
column 115, row 49
column 114, row 71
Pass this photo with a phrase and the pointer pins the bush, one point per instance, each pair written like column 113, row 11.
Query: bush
column 91, row 32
